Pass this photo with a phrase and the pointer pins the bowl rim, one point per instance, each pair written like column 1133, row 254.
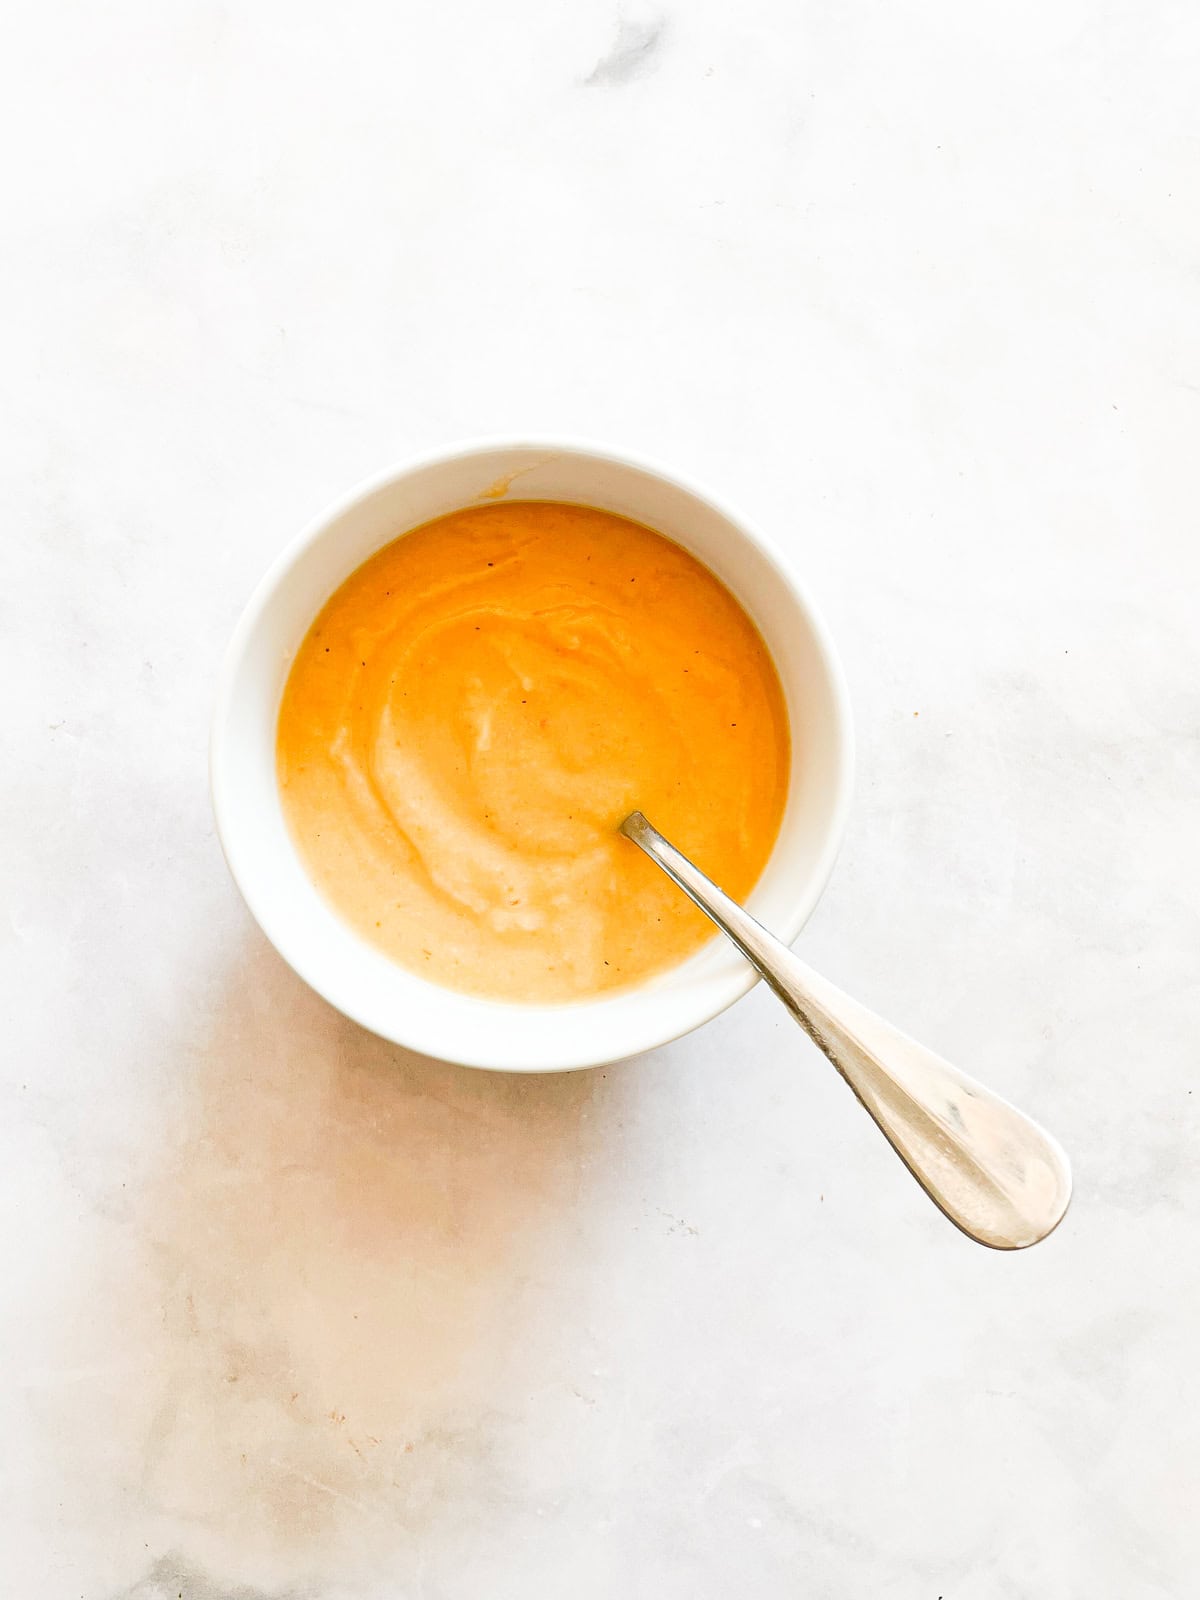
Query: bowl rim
column 276, row 927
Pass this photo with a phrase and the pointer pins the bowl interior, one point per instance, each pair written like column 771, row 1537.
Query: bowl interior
column 359, row 979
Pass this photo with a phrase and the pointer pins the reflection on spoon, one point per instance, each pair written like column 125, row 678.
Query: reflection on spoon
column 998, row 1176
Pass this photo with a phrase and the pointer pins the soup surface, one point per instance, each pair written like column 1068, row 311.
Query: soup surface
column 477, row 708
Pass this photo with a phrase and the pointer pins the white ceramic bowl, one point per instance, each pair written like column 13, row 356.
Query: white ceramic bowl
column 358, row 979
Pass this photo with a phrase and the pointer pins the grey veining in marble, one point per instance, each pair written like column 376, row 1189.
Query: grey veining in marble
column 289, row 1314
column 633, row 51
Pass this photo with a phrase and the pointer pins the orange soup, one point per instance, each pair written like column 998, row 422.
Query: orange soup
column 477, row 708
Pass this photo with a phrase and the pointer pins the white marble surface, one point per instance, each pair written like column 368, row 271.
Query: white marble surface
column 288, row 1314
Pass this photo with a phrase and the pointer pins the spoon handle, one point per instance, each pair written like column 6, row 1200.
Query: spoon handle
column 998, row 1176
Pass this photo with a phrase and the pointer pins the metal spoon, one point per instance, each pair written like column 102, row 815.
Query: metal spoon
column 998, row 1176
